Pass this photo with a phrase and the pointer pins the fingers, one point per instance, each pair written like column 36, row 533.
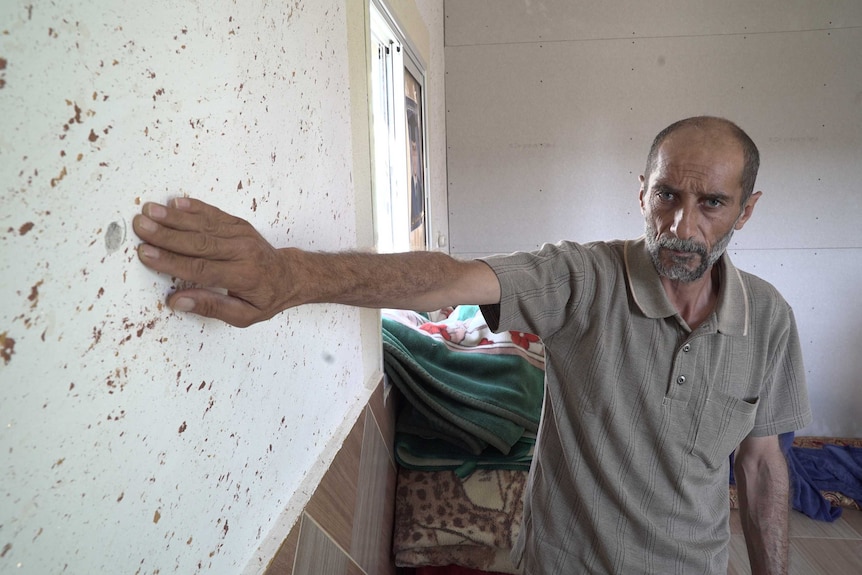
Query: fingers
column 178, row 214
column 188, row 227
column 202, row 271
column 189, row 214
column 190, row 243
column 226, row 308
column 190, row 239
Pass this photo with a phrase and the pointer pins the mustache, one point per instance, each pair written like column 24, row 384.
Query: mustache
column 681, row 245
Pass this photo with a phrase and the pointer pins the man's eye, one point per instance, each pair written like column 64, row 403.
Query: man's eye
column 665, row 196
column 713, row 203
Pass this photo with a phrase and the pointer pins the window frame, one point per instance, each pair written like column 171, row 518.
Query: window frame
column 389, row 134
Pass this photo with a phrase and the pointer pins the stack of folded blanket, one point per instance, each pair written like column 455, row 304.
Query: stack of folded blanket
column 474, row 398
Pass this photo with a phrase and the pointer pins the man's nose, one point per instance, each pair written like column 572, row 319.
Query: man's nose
column 684, row 223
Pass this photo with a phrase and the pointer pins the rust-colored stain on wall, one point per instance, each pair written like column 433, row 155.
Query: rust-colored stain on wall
column 63, row 173
column 192, row 113
column 34, row 294
column 7, row 347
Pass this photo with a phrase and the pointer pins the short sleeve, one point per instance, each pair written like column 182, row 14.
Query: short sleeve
column 538, row 289
column 784, row 399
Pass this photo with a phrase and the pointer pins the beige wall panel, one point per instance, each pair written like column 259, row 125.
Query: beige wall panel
column 546, row 140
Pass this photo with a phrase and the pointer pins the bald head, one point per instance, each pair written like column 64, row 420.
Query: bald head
column 713, row 128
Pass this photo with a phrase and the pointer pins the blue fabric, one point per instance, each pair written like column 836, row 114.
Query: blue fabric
column 806, row 496
column 833, row 468
column 812, row 470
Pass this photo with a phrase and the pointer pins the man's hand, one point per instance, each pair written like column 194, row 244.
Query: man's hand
column 201, row 244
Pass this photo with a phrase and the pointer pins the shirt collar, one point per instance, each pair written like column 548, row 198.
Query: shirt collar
column 731, row 312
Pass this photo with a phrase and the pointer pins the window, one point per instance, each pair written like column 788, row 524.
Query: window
column 398, row 113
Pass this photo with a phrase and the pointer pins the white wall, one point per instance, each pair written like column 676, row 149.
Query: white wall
column 552, row 105
column 135, row 440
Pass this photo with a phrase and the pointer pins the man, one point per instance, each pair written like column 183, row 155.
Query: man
column 661, row 357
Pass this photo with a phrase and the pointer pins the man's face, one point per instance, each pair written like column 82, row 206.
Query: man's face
column 691, row 202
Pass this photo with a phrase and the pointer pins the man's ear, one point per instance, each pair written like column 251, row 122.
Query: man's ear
column 642, row 191
column 747, row 210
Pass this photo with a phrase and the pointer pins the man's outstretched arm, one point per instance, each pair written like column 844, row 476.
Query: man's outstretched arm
column 199, row 243
column 761, row 475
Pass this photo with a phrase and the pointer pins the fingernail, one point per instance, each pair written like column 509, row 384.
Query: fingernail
column 181, row 203
column 147, row 224
column 149, row 252
column 183, row 304
column 156, row 211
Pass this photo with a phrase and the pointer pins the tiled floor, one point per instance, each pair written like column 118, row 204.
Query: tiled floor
column 816, row 548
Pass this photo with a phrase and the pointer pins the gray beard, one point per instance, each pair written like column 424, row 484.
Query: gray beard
column 677, row 270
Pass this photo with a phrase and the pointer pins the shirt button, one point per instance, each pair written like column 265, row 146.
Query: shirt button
column 680, row 380
column 686, row 348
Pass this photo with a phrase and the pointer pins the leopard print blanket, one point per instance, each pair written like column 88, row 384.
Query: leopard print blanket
column 442, row 520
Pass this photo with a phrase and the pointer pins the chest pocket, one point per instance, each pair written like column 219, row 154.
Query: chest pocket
column 724, row 422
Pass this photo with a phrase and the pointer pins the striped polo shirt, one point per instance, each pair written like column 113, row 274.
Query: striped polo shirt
column 640, row 412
